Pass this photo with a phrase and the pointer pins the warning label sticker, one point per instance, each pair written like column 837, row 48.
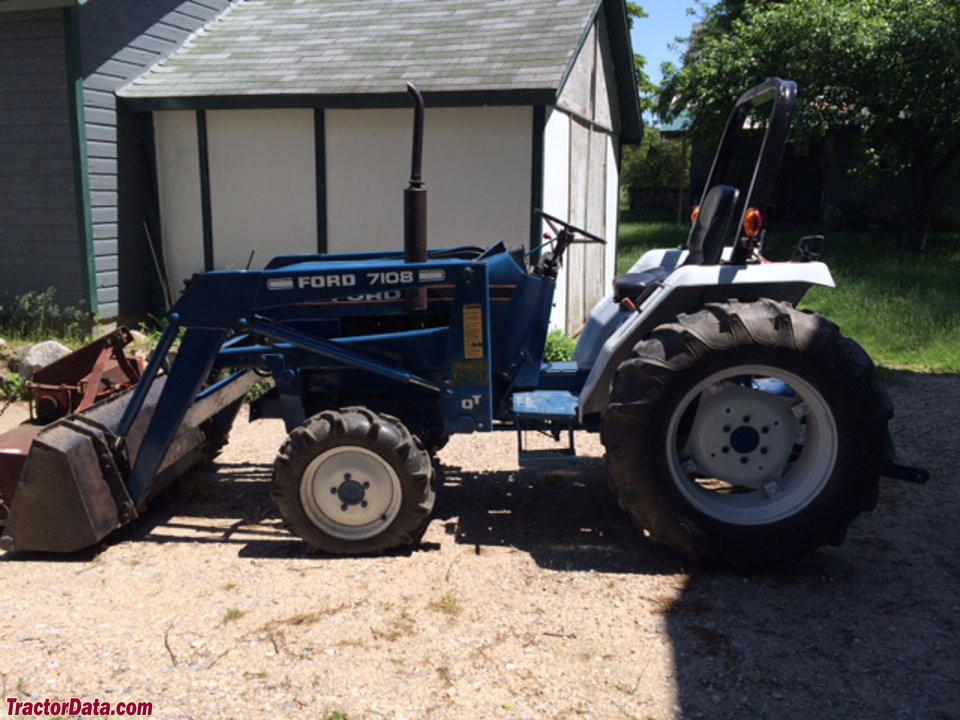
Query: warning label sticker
column 472, row 332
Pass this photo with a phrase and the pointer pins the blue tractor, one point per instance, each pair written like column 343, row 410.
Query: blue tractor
column 737, row 428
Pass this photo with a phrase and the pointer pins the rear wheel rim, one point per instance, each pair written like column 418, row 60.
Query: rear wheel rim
column 749, row 456
column 350, row 492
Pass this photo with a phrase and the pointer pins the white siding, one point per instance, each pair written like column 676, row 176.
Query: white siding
column 477, row 168
column 262, row 185
column 589, row 98
column 613, row 215
column 556, row 194
column 178, row 168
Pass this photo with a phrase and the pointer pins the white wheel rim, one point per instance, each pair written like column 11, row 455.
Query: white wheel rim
column 752, row 457
column 350, row 492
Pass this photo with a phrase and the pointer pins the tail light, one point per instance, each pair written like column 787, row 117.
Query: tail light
column 752, row 223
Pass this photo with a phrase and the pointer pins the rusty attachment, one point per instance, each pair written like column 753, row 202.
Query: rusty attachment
column 84, row 377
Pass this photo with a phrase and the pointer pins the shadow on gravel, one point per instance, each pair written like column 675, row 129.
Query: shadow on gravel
column 867, row 630
column 565, row 522
column 568, row 521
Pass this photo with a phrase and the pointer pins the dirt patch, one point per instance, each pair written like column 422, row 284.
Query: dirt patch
column 531, row 596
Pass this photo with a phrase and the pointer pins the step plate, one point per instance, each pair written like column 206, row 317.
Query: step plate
column 545, row 405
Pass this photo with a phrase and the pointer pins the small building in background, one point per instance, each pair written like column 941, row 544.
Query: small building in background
column 222, row 129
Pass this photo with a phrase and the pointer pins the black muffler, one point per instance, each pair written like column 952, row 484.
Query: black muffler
column 415, row 205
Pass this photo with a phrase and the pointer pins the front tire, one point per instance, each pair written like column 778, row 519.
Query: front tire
column 354, row 482
column 746, row 434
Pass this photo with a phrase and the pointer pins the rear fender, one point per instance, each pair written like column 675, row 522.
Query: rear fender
column 687, row 289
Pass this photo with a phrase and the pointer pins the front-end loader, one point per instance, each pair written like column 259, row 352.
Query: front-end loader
column 738, row 428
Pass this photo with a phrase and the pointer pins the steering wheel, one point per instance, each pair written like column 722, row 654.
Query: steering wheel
column 556, row 224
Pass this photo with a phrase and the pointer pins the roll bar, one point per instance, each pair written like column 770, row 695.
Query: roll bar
column 783, row 93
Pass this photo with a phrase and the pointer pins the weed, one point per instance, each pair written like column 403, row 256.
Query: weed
column 259, row 389
column 230, row 586
column 35, row 316
column 336, row 715
column 13, row 387
column 304, row 618
column 400, row 626
column 559, row 347
column 448, row 604
column 233, row 614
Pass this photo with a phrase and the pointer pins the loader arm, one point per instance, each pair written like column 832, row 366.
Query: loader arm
column 219, row 305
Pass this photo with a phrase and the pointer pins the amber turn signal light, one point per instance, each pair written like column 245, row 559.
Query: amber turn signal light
column 752, row 222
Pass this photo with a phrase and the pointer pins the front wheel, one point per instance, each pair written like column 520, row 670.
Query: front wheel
column 354, row 482
column 747, row 434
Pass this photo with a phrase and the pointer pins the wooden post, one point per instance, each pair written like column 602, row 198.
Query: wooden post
column 683, row 172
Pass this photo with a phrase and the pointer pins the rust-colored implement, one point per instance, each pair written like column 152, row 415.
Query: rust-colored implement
column 14, row 448
column 85, row 376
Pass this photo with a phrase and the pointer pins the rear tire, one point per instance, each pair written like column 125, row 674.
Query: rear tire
column 354, row 482
column 708, row 458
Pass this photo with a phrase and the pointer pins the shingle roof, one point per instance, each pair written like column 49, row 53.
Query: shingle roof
column 350, row 47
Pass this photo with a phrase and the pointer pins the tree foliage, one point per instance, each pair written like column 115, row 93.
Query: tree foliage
column 887, row 67
column 653, row 164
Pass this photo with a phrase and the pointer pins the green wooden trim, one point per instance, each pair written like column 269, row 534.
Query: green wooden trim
column 206, row 211
column 81, row 169
column 536, row 173
column 471, row 98
column 320, row 150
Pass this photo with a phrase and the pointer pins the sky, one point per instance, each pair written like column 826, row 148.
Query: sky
column 668, row 20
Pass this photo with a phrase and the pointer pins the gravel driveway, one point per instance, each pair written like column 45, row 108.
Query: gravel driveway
column 531, row 597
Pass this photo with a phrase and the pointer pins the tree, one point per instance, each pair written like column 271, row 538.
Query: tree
column 653, row 164
column 890, row 68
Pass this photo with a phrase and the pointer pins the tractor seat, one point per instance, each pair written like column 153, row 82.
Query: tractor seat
column 704, row 244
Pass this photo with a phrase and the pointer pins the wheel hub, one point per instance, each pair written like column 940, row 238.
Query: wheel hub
column 350, row 492
column 742, row 436
column 744, row 439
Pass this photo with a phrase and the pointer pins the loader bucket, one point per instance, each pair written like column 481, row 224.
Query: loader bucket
column 72, row 489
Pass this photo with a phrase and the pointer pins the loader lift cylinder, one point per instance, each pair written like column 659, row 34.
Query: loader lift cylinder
column 415, row 205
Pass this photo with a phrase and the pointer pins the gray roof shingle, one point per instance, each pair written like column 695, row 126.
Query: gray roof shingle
column 350, row 47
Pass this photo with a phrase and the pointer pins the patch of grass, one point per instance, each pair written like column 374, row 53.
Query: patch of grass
column 336, row 715
column 36, row 316
column 233, row 614
column 448, row 604
column 403, row 625
column 902, row 307
column 641, row 231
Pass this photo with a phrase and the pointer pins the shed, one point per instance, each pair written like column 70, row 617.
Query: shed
column 221, row 127
column 284, row 127
column 75, row 188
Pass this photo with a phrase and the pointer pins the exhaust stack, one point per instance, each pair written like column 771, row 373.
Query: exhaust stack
column 415, row 205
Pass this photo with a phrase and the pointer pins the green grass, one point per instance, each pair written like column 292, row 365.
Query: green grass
column 36, row 316
column 640, row 232
column 902, row 307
